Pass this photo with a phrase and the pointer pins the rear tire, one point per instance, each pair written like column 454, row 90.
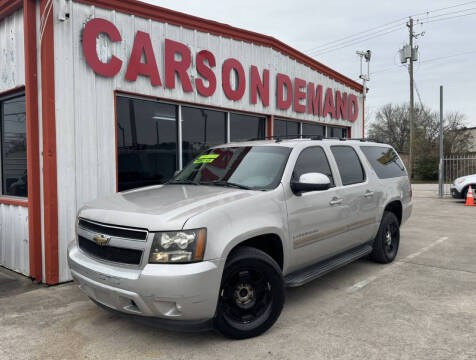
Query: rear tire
column 251, row 294
column 387, row 241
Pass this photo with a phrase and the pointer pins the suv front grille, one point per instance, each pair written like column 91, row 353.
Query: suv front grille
column 110, row 253
column 112, row 230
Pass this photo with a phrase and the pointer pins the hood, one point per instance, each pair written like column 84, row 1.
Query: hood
column 162, row 207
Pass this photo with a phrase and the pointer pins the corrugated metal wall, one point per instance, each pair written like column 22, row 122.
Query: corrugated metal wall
column 12, row 55
column 14, row 247
column 85, row 102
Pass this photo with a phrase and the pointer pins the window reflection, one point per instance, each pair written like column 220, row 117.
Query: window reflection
column 146, row 141
column 13, row 140
column 201, row 129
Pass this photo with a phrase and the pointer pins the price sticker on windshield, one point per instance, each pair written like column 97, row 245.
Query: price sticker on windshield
column 206, row 159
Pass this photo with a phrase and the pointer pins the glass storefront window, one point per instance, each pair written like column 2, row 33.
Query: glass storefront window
column 286, row 128
column 13, row 145
column 201, row 129
column 336, row 132
column 313, row 130
column 246, row 127
column 146, row 142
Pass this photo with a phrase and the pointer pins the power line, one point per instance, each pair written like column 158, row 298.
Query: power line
column 379, row 30
column 342, row 46
column 352, row 36
column 449, row 13
column 398, row 67
column 448, row 18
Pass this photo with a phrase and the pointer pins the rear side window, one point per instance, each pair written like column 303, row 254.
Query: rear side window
column 313, row 160
column 348, row 162
column 384, row 161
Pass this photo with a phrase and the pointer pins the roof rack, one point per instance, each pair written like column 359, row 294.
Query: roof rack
column 279, row 138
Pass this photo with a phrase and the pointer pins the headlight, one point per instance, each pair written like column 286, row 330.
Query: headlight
column 178, row 246
column 460, row 181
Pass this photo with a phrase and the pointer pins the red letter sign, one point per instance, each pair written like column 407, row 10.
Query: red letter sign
column 228, row 66
column 314, row 99
column 299, row 84
column 341, row 105
column 353, row 107
column 180, row 67
column 329, row 107
column 206, row 72
column 91, row 31
column 259, row 86
column 142, row 44
column 282, row 81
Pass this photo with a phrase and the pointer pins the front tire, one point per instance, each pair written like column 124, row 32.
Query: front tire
column 251, row 294
column 387, row 240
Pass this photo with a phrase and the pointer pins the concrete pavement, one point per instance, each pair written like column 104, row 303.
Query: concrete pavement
column 423, row 306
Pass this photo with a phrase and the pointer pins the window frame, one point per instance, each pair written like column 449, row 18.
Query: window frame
column 360, row 162
column 333, row 180
column 3, row 98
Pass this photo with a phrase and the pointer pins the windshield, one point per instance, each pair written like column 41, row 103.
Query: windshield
column 247, row 167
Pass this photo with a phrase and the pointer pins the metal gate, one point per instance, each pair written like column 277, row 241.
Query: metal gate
column 457, row 166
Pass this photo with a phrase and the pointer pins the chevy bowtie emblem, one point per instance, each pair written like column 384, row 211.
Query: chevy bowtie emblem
column 101, row 240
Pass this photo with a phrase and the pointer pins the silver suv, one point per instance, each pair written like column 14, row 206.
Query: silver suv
column 217, row 244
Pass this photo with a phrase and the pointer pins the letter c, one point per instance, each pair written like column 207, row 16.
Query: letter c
column 91, row 31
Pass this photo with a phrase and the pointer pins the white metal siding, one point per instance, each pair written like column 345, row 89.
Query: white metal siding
column 12, row 55
column 85, row 118
column 14, row 246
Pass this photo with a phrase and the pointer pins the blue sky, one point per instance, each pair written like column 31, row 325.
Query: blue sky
column 307, row 24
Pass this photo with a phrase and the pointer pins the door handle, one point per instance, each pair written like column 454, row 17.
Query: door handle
column 368, row 194
column 335, row 201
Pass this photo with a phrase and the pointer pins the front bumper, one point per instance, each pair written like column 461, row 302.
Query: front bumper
column 455, row 193
column 176, row 293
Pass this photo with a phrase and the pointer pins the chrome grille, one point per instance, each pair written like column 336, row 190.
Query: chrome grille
column 113, row 230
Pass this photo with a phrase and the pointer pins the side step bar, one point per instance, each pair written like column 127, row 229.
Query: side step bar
column 319, row 269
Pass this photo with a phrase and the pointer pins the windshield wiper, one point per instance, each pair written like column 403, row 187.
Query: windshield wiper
column 226, row 183
column 181, row 182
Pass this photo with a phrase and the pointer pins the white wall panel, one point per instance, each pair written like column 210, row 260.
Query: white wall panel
column 85, row 117
column 12, row 55
column 14, row 245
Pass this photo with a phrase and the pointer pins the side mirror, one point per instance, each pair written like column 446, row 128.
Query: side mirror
column 311, row 182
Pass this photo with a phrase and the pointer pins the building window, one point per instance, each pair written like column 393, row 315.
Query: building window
column 286, row 128
column 336, row 132
column 313, row 130
column 201, row 129
column 246, row 127
column 13, row 145
column 146, row 142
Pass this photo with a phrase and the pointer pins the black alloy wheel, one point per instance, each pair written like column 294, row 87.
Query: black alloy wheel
column 251, row 295
column 387, row 241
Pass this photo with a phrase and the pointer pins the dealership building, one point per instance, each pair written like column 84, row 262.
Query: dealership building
column 103, row 96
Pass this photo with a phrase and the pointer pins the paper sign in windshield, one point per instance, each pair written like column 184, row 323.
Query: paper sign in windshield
column 206, row 159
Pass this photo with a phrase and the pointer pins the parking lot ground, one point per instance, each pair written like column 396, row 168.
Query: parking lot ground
column 422, row 306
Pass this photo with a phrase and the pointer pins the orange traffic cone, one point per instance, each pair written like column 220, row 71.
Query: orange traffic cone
column 470, row 197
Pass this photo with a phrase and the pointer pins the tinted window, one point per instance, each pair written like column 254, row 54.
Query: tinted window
column 286, row 128
column 312, row 160
column 312, row 130
column 246, row 127
column 256, row 167
column 146, row 142
column 201, row 130
column 13, row 145
column 384, row 161
column 350, row 167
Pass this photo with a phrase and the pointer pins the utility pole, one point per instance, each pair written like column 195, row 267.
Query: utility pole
column 365, row 77
column 412, row 127
column 441, row 167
